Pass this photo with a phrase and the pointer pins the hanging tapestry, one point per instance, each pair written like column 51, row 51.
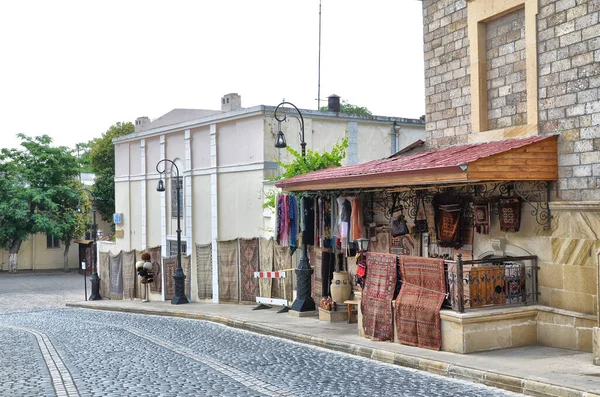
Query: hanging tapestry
column 376, row 303
column 228, row 270
column 204, row 270
column 103, row 272
column 448, row 220
column 169, row 267
column 129, row 275
column 383, row 240
column 186, row 265
column 248, row 265
column 406, row 245
column 139, row 287
column 155, row 253
column 266, row 265
column 115, row 276
column 510, row 214
column 419, row 302
column 481, row 217
column 282, row 287
column 322, row 262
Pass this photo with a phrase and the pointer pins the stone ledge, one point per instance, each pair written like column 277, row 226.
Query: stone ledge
column 574, row 206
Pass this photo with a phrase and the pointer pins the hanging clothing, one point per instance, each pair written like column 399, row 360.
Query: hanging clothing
column 357, row 219
column 345, row 213
column 284, row 222
column 293, row 223
column 308, row 227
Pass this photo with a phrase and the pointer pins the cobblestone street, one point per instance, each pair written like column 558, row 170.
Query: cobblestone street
column 57, row 351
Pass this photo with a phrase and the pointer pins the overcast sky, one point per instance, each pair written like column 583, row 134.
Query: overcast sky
column 71, row 69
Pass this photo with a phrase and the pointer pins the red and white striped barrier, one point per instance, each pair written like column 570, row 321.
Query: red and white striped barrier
column 272, row 301
column 269, row 274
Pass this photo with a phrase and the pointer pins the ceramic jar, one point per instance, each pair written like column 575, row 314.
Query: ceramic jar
column 340, row 287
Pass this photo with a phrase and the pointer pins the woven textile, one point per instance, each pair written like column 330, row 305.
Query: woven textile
column 204, row 270
column 169, row 266
column 383, row 241
column 510, row 214
column 481, row 217
column 282, row 287
column 103, row 272
column 115, row 276
column 228, row 270
column 154, row 252
column 419, row 302
column 129, row 275
column 406, row 245
column 265, row 285
column 248, row 265
column 376, row 303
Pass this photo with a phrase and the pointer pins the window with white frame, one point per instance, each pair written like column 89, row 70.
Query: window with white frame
column 174, row 182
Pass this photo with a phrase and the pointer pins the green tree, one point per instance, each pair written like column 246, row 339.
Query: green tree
column 83, row 153
column 348, row 108
column 35, row 178
column 102, row 160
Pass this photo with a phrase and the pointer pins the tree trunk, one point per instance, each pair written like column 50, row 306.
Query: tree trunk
column 13, row 253
column 66, row 257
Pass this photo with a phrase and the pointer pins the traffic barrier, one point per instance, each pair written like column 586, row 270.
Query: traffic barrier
column 263, row 301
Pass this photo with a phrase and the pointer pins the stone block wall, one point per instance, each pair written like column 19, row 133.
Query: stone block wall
column 506, row 75
column 447, row 72
column 569, row 81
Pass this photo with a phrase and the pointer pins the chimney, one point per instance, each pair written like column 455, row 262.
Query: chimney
column 231, row 102
column 140, row 123
column 333, row 103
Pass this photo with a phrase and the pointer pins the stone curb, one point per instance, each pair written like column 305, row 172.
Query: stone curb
column 505, row 382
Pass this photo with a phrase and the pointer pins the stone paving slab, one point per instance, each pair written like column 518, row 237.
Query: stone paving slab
column 532, row 370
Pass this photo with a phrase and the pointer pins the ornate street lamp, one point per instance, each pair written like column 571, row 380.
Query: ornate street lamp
column 304, row 301
column 95, row 280
column 179, row 277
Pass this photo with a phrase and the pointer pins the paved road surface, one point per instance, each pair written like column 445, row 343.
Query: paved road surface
column 57, row 351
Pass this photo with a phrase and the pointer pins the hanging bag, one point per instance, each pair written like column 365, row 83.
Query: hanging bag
column 421, row 225
column 398, row 223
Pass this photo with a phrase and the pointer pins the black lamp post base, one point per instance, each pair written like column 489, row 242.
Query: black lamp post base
column 179, row 300
column 95, row 280
column 303, row 305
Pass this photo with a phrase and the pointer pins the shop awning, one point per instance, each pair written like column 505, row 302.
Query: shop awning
column 524, row 159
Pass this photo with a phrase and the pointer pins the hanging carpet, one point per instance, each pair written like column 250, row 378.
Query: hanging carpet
column 510, row 214
column 266, row 265
column 103, row 272
column 418, row 304
column 169, row 266
column 248, row 265
column 282, row 287
column 155, row 253
column 204, row 270
column 383, row 240
column 376, row 303
column 115, row 274
column 228, row 270
column 129, row 275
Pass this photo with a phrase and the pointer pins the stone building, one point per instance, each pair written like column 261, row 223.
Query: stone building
column 497, row 69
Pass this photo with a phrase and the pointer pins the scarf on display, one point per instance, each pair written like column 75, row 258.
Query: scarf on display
column 357, row 220
column 284, row 221
column 345, row 213
column 481, row 219
column 293, row 223
column 510, row 214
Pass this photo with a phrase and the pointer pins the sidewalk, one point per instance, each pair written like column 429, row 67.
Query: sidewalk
column 533, row 370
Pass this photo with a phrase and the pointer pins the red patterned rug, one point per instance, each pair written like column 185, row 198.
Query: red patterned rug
column 248, row 265
column 376, row 303
column 228, row 270
column 419, row 302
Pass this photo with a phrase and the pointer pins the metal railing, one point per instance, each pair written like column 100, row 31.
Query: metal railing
column 491, row 282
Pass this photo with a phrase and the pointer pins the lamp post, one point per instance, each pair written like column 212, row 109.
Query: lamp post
column 95, row 280
column 179, row 297
column 304, row 301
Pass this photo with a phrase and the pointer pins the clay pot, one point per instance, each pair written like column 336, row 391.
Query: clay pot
column 340, row 287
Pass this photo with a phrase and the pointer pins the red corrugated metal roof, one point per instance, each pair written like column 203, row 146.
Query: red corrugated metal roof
column 449, row 157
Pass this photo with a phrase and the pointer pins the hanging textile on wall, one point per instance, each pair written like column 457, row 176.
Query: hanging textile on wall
column 156, row 260
column 169, row 267
column 419, row 302
column 228, row 270
column 204, row 270
column 383, row 240
column 357, row 219
column 104, row 271
column 129, row 275
column 115, row 275
column 345, row 215
column 265, row 285
column 481, row 217
column 376, row 303
column 448, row 220
column 406, row 245
column 248, row 265
column 282, row 287
column 510, row 214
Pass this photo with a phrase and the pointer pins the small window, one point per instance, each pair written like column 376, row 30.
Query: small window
column 227, row 100
column 173, row 248
column 223, row 101
column 52, row 241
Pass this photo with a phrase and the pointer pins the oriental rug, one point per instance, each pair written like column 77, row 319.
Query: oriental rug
column 282, row 287
column 169, row 268
column 103, row 272
column 228, row 270
column 155, row 253
column 248, row 265
column 265, row 285
column 115, row 276
column 376, row 303
column 129, row 275
column 406, row 245
column 383, row 240
column 204, row 270
column 418, row 304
